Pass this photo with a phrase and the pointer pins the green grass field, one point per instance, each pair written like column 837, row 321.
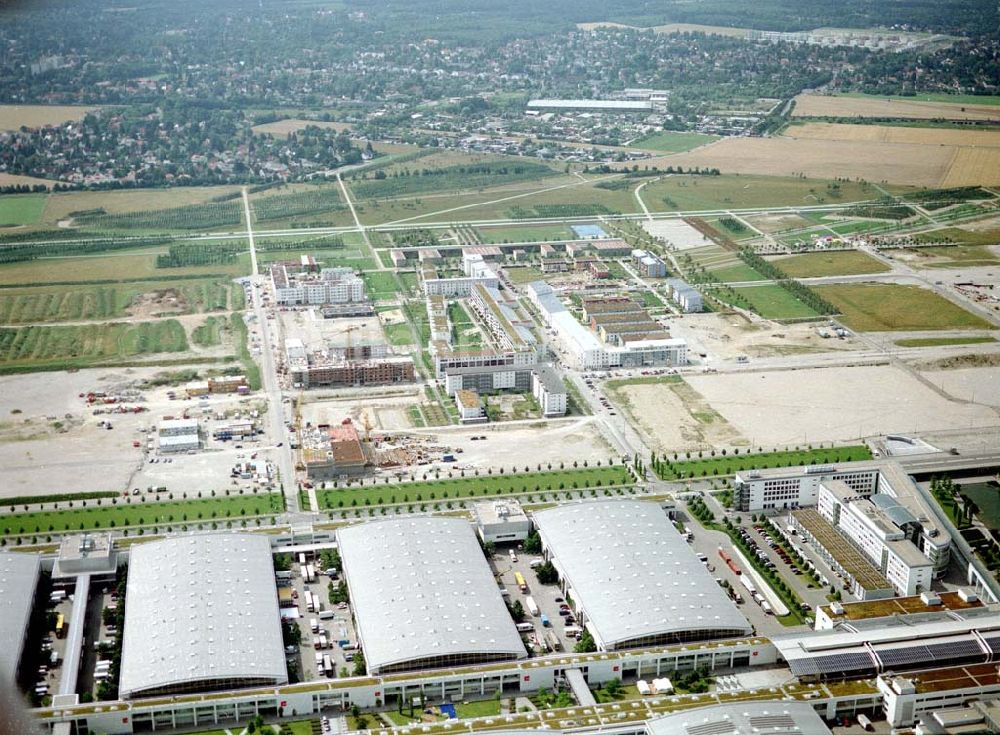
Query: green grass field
column 75, row 303
column 736, row 273
column 21, row 209
column 471, row 486
column 671, row 142
column 399, row 335
column 141, row 514
column 683, row 467
column 836, row 263
column 523, row 274
column 876, row 307
column 943, row 341
column 774, row 302
column 526, row 233
column 381, row 285
column 62, row 347
column 986, row 495
column 209, row 332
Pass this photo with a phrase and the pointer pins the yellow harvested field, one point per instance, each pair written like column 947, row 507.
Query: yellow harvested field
column 15, row 180
column 973, row 166
column 815, row 105
column 894, row 134
column 281, row 128
column 673, row 28
column 903, row 163
column 13, row 117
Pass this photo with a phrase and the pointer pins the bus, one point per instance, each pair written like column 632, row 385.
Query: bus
column 60, row 625
column 519, row 578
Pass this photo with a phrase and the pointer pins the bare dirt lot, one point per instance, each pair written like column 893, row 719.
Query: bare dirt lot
column 812, row 105
column 672, row 417
column 978, row 385
column 386, row 408
column 898, row 163
column 526, row 444
column 833, row 404
column 727, row 336
column 50, row 440
column 13, row 117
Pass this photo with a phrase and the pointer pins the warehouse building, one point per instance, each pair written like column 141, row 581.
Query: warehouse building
column 424, row 596
column 742, row 718
column 634, row 580
column 201, row 614
column 178, row 435
column 19, row 575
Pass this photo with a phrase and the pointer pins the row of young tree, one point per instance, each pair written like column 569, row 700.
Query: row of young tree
column 796, row 288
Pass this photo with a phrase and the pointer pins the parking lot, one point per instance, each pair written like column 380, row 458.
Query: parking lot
column 332, row 622
column 547, row 599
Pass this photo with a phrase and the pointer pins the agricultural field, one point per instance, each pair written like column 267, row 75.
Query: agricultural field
column 774, row 302
column 670, row 142
column 463, row 176
column 835, row 263
column 895, row 134
column 308, row 202
column 13, row 117
column 201, row 217
column 876, row 307
column 569, row 195
column 117, row 266
column 61, row 347
column 812, row 105
column 142, row 514
column 62, row 205
column 21, row 209
column 739, row 191
column 903, row 164
column 78, row 303
column 527, row 233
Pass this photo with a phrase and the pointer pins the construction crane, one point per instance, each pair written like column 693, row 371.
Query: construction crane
column 367, row 423
column 349, row 331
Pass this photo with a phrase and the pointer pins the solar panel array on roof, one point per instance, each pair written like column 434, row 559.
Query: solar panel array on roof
column 993, row 642
column 847, row 664
column 931, row 653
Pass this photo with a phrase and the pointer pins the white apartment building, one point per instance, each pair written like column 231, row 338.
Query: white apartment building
column 549, row 390
column 331, row 286
column 477, row 271
column 881, row 529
